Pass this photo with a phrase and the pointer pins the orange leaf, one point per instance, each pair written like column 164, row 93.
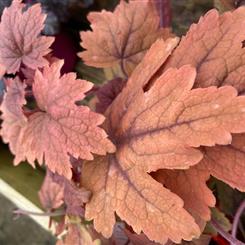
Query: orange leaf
column 59, row 127
column 214, row 47
column 155, row 125
column 199, row 199
column 122, row 37
column 154, row 129
column 78, row 235
column 20, row 40
column 227, row 163
column 136, row 198
column 122, row 186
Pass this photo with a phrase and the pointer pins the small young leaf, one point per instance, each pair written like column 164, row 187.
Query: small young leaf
column 57, row 190
column 78, row 235
column 123, row 36
column 20, row 37
column 51, row 194
column 74, row 196
column 12, row 114
column 107, row 93
column 221, row 219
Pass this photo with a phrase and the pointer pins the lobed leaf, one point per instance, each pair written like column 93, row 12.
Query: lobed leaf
column 156, row 125
column 214, row 47
column 21, row 41
column 59, row 127
column 122, row 185
column 227, row 163
column 136, row 198
column 199, row 199
column 123, row 36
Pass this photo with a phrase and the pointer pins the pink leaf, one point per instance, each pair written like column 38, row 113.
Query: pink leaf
column 57, row 190
column 12, row 115
column 74, row 196
column 51, row 194
column 59, row 127
column 20, row 37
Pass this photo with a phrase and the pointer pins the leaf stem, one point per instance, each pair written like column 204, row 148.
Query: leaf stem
column 44, row 214
column 224, row 234
column 164, row 12
column 29, row 93
column 238, row 214
column 123, row 69
column 241, row 228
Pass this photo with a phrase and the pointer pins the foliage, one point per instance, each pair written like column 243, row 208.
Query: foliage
column 171, row 115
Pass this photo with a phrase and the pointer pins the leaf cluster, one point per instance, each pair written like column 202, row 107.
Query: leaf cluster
column 172, row 116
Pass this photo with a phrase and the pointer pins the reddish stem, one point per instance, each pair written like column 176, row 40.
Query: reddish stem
column 164, row 8
column 48, row 214
column 28, row 93
column 238, row 214
column 28, row 112
column 239, row 3
column 224, row 234
column 93, row 91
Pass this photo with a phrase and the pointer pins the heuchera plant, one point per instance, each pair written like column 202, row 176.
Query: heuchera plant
column 173, row 116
